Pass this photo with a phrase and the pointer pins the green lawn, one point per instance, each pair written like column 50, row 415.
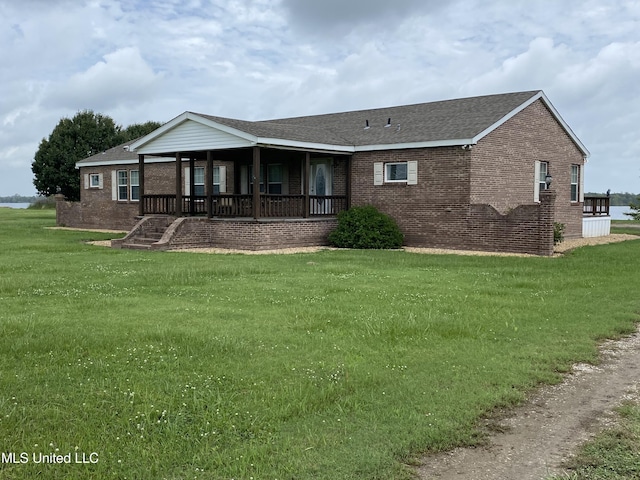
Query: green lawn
column 332, row 365
column 631, row 227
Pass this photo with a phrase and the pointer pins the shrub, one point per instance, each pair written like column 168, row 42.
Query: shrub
column 43, row 203
column 366, row 227
column 558, row 232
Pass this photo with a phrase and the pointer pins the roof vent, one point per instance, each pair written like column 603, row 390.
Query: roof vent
column 366, row 124
column 126, row 148
column 388, row 123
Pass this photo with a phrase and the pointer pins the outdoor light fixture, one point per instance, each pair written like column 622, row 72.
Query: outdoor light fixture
column 547, row 180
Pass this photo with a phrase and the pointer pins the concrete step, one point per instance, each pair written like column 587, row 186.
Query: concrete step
column 136, row 246
column 144, row 240
column 156, row 235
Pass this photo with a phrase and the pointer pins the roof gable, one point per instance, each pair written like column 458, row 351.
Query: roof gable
column 191, row 132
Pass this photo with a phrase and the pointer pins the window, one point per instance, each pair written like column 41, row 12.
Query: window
column 135, row 185
column 542, row 177
column 395, row 172
column 575, row 182
column 274, row 179
column 216, row 180
column 123, row 185
column 94, row 180
column 198, row 181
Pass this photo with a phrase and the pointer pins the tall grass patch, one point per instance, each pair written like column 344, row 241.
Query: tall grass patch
column 337, row 364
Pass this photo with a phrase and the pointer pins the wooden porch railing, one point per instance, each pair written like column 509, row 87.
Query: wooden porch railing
column 596, row 206
column 271, row 206
column 159, row 204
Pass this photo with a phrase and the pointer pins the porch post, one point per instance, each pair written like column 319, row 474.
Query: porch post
column 192, row 186
column 208, row 189
column 141, row 185
column 178, row 184
column 256, row 182
column 348, row 160
column 305, row 176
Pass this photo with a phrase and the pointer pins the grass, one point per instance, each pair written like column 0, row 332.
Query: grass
column 630, row 227
column 332, row 365
column 614, row 454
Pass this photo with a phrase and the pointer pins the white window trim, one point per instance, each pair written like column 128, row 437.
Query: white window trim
column 222, row 183
column 380, row 173
column 577, row 183
column 199, row 184
column 118, row 185
column 222, row 178
column 386, row 172
column 131, row 185
column 537, row 185
column 88, row 181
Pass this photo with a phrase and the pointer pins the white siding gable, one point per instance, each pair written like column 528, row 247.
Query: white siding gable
column 190, row 136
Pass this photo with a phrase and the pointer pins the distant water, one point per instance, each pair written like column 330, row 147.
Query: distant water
column 15, row 205
column 618, row 213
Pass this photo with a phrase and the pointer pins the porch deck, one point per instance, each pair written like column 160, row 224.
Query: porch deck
column 233, row 206
column 596, row 220
column 598, row 206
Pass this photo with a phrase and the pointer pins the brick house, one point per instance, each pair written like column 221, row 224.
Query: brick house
column 468, row 173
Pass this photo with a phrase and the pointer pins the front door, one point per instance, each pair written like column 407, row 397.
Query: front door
column 320, row 185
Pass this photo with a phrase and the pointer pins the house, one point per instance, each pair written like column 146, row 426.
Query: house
column 470, row 173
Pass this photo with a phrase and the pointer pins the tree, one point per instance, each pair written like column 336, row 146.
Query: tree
column 54, row 164
column 86, row 134
column 138, row 130
column 635, row 215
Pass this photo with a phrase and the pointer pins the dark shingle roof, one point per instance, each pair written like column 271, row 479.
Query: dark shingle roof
column 435, row 121
column 113, row 154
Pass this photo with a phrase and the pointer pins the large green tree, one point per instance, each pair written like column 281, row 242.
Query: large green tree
column 87, row 133
column 54, row 165
column 138, row 130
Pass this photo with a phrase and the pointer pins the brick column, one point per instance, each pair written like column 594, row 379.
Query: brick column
column 546, row 218
column 59, row 207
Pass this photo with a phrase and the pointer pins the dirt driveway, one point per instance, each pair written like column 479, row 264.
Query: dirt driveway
column 539, row 435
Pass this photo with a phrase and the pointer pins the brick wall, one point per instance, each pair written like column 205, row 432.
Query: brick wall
column 483, row 198
column 433, row 212
column 502, row 165
column 250, row 234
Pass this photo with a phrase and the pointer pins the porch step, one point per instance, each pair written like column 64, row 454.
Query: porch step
column 137, row 246
column 144, row 240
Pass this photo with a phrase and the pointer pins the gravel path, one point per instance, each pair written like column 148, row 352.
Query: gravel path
column 559, row 249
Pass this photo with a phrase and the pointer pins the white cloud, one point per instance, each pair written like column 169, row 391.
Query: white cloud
column 136, row 61
column 122, row 77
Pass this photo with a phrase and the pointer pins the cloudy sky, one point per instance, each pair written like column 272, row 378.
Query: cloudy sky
column 140, row 60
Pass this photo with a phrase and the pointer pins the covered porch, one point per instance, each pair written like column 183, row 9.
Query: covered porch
column 220, row 184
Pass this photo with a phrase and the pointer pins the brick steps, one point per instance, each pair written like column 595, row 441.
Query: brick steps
column 146, row 239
